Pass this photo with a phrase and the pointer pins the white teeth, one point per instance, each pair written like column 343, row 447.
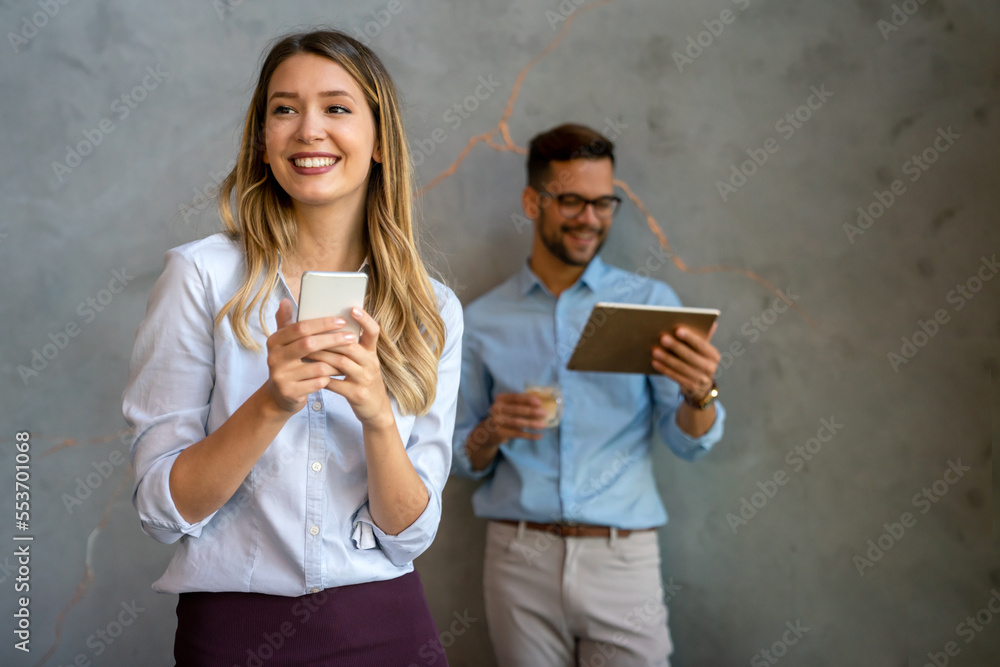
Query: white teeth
column 314, row 161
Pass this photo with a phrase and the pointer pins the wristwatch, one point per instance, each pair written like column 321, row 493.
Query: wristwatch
column 701, row 404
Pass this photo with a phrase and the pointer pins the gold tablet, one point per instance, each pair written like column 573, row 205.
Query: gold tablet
column 619, row 337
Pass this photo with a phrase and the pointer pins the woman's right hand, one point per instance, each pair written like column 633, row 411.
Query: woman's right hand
column 290, row 378
column 206, row 474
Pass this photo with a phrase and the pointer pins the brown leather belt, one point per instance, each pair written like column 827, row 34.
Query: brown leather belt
column 574, row 530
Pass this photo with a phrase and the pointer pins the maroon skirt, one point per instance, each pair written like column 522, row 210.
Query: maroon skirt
column 378, row 624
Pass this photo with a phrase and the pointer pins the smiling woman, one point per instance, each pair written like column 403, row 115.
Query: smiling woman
column 280, row 508
column 301, row 114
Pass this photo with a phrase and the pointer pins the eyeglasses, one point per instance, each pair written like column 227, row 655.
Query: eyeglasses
column 571, row 205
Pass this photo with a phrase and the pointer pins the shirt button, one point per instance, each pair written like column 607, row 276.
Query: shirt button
column 314, row 590
column 317, row 466
column 314, row 530
column 317, row 406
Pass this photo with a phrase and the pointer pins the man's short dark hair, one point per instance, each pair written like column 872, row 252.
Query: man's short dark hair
column 561, row 144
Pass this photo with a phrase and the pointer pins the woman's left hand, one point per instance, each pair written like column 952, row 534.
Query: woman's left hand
column 362, row 384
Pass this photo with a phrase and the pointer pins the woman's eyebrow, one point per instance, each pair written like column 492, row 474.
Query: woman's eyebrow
column 325, row 93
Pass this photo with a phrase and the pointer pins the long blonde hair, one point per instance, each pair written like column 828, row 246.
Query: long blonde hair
column 400, row 295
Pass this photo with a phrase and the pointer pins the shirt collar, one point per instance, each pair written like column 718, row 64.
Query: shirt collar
column 364, row 268
column 591, row 276
column 594, row 274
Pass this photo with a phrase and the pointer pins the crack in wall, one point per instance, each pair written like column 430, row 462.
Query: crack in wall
column 488, row 138
column 83, row 587
column 66, row 443
column 508, row 145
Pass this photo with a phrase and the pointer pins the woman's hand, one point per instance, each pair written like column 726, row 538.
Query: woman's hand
column 290, row 378
column 358, row 362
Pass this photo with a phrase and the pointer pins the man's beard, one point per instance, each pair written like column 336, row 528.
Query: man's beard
column 553, row 240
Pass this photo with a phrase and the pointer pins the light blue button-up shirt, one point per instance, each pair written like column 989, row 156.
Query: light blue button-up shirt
column 299, row 522
column 595, row 466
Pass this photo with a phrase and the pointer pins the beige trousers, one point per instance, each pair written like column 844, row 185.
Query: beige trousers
column 574, row 601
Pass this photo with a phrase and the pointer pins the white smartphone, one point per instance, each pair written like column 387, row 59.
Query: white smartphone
column 332, row 294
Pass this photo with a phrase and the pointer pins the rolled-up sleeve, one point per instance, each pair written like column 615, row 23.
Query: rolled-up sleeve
column 474, row 401
column 429, row 448
column 166, row 401
column 668, row 400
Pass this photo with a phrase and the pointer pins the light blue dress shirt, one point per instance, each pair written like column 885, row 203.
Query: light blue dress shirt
column 595, row 467
column 299, row 522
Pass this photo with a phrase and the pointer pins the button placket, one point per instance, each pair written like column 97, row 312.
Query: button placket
column 314, row 515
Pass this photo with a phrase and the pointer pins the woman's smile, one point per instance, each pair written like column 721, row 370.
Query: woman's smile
column 313, row 163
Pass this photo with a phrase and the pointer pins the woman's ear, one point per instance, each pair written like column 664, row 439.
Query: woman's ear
column 377, row 153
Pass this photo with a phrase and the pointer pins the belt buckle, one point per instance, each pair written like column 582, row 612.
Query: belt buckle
column 569, row 528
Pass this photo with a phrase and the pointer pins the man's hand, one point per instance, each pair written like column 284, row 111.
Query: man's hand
column 687, row 358
column 510, row 416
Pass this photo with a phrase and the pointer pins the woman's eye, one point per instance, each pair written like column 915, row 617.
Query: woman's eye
column 338, row 109
column 281, row 110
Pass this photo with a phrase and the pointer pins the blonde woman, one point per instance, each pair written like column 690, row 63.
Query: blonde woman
column 299, row 500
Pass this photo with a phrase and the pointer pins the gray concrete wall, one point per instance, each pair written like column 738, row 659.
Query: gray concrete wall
column 893, row 82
